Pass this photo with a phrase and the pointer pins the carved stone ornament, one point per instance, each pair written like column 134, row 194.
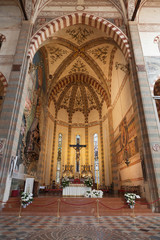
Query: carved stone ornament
column 156, row 147
column 2, row 145
column 131, row 7
column 28, row 8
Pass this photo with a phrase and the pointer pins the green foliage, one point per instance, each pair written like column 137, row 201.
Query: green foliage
column 131, row 198
column 65, row 182
column 88, row 182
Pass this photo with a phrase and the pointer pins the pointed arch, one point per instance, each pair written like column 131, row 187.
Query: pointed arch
column 55, row 25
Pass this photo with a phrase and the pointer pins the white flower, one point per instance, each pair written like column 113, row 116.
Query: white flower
column 130, row 198
column 137, row 196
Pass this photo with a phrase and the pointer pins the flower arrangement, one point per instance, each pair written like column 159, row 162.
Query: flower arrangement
column 94, row 194
column 26, row 199
column 131, row 199
column 88, row 182
column 65, row 182
column 88, row 194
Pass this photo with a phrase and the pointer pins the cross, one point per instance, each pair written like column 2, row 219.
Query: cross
column 77, row 147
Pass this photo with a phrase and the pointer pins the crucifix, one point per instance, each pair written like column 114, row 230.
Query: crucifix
column 77, row 147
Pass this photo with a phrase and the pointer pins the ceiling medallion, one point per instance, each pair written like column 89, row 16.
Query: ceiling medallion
column 80, row 8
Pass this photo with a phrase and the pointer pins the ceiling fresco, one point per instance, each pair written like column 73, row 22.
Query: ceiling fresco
column 80, row 54
column 78, row 96
column 82, row 51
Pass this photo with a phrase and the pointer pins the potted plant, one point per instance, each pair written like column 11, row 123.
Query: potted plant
column 26, row 199
column 131, row 199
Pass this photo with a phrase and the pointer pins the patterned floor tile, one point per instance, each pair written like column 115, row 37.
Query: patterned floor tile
column 49, row 227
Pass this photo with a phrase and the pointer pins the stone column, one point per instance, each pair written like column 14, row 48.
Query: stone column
column 102, row 153
column 86, row 142
column 69, row 142
column 13, row 106
column 145, row 115
column 112, row 150
column 53, row 151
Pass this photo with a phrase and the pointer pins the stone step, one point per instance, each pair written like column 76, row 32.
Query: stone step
column 48, row 206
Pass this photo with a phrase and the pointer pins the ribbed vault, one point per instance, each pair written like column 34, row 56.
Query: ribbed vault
column 78, row 92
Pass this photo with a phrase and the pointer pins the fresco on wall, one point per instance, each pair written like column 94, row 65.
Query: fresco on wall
column 29, row 140
column 126, row 140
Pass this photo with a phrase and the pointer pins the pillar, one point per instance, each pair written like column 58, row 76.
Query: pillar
column 144, row 109
column 13, row 107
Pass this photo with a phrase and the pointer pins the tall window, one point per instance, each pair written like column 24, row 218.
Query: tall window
column 59, row 155
column 96, row 159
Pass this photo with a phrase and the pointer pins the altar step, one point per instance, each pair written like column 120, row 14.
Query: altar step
column 54, row 206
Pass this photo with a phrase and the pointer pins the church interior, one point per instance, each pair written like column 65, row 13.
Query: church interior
column 80, row 96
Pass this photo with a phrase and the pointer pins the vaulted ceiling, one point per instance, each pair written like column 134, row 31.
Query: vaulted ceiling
column 81, row 62
column 79, row 55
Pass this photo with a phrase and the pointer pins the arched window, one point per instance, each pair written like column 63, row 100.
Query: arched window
column 96, row 159
column 157, row 96
column 59, row 156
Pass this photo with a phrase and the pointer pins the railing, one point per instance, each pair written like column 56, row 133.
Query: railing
column 60, row 202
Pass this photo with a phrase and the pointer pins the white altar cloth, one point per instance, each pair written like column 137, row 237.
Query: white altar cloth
column 75, row 190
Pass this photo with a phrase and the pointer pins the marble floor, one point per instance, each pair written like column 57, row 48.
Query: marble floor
column 79, row 228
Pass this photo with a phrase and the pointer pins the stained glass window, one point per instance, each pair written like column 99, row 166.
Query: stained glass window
column 59, row 155
column 96, row 159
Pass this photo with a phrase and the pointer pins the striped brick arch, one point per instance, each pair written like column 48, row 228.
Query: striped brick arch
column 79, row 18
column 84, row 79
column 4, row 83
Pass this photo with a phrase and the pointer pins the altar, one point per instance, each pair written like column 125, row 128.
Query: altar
column 75, row 190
